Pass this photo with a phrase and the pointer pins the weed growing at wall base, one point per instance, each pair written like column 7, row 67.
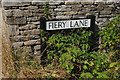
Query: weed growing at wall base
column 71, row 49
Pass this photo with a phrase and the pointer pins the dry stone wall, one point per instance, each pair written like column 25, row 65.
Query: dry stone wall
column 23, row 19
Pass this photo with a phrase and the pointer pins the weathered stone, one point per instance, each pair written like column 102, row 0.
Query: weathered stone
column 30, row 19
column 25, row 38
column 8, row 13
column 32, row 26
column 37, row 11
column 105, row 12
column 35, row 31
column 63, row 17
column 26, row 27
column 37, row 22
column 32, row 42
column 55, row 3
column 70, row 13
column 17, row 13
column 107, row 16
column 29, row 8
column 72, row 3
column 13, row 30
column 101, row 19
column 11, row 4
column 25, row 32
column 17, row 44
column 16, row 2
column 78, row 16
column 16, row 20
column 59, row 13
column 27, row 13
column 21, row 38
column 53, row 7
column 81, row 13
column 37, row 47
column 62, row 9
column 86, row 3
column 76, row 7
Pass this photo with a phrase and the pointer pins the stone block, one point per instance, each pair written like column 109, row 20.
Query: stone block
column 87, row 3
column 28, row 27
column 35, row 31
column 59, row 13
column 37, row 11
column 8, row 13
column 15, row 3
column 37, row 47
column 7, row 4
column 81, row 13
column 27, row 13
column 70, row 13
column 72, row 3
column 62, row 9
column 18, row 13
column 32, row 26
column 25, row 38
column 17, row 44
column 78, row 16
column 29, row 8
column 105, row 12
column 30, row 32
column 20, row 38
column 32, row 42
column 55, row 3
column 107, row 16
column 13, row 30
column 15, row 20
column 33, row 19
column 63, row 17
column 36, row 23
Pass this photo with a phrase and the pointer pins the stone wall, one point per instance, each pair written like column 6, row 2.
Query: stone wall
column 23, row 19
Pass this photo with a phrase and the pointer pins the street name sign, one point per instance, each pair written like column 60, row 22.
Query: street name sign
column 67, row 24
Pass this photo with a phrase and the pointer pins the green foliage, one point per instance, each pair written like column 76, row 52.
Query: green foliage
column 72, row 50
column 110, row 35
column 46, row 10
column 110, row 43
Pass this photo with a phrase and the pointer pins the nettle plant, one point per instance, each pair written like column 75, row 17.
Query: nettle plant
column 71, row 49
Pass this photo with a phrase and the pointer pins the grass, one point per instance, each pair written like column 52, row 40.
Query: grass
column 25, row 65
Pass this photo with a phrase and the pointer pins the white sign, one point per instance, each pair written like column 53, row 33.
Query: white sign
column 67, row 24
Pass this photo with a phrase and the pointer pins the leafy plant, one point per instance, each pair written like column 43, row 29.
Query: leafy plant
column 110, row 36
column 46, row 9
column 110, row 40
column 71, row 49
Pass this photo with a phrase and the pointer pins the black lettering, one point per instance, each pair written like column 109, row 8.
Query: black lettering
column 59, row 24
column 50, row 25
column 86, row 22
column 82, row 23
column 55, row 24
column 64, row 24
column 76, row 24
column 71, row 24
